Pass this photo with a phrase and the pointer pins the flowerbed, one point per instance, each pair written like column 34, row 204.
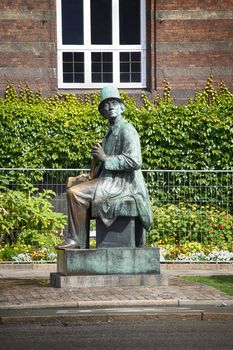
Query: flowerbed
column 204, row 254
column 189, row 233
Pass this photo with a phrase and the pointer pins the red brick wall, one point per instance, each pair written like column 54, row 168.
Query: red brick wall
column 187, row 41
column 28, row 43
column 193, row 39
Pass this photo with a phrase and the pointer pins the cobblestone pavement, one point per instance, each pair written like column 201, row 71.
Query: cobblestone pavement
column 35, row 291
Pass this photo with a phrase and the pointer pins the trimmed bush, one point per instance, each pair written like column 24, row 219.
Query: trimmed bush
column 58, row 132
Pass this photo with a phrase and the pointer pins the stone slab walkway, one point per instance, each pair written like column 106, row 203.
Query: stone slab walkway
column 29, row 288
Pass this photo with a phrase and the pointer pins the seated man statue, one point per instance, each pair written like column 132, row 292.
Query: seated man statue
column 117, row 177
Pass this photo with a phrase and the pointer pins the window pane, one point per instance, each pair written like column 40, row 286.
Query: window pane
column 96, row 78
column 129, row 22
column 136, row 67
column 96, row 57
column 67, row 78
column 125, row 67
column 125, row 78
column 79, row 78
column 73, row 67
column 130, row 69
column 72, row 22
column 78, row 67
column 78, row 56
column 96, row 67
column 107, row 78
column 102, row 67
column 107, row 67
column 67, row 56
column 68, row 67
column 107, row 56
column 101, row 22
column 124, row 56
column 135, row 78
column 136, row 56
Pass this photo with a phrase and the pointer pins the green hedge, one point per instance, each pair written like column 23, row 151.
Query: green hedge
column 52, row 132
column 58, row 132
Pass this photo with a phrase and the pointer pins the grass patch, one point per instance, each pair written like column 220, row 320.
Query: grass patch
column 224, row 283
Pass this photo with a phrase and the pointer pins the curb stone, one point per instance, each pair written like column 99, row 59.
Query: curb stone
column 116, row 317
column 83, row 304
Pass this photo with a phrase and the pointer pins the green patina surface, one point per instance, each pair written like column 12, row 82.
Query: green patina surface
column 109, row 261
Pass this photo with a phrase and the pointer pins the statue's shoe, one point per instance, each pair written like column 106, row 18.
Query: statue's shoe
column 69, row 243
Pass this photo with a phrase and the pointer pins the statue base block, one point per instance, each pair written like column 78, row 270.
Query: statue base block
column 105, row 263
column 108, row 261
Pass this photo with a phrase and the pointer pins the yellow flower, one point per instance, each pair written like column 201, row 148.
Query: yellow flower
column 172, row 208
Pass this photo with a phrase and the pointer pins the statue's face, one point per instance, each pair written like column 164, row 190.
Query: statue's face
column 112, row 109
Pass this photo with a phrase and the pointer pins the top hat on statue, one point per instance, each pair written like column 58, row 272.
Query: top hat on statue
column 109, row 92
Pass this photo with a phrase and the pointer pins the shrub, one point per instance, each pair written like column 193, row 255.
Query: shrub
column 28, row 223
column 24, row 212
column 179, row 225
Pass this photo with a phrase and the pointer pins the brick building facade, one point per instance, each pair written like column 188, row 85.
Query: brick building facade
column 186, row 41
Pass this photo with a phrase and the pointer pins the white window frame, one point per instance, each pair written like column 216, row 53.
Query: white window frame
column 87, row 48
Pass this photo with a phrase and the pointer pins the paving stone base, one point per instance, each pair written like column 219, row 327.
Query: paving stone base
column 59, row 281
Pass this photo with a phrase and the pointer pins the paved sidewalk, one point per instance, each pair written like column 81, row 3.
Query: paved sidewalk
column 29, row 289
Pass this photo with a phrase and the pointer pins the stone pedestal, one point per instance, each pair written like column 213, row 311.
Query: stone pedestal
column 120, row 234
column 126, row 231
column 107, row 266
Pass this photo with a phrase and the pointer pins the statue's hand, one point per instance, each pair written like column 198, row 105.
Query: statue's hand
column 75, row 180
column 97, row 151
column 83, row 177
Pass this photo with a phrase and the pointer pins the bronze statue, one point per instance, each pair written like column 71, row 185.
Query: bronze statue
column 116, row 178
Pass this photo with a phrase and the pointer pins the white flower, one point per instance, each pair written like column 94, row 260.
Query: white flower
column 51, row 256
column 25, row 257
column 197, row 256
column 220, row 255
column 163, row 253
